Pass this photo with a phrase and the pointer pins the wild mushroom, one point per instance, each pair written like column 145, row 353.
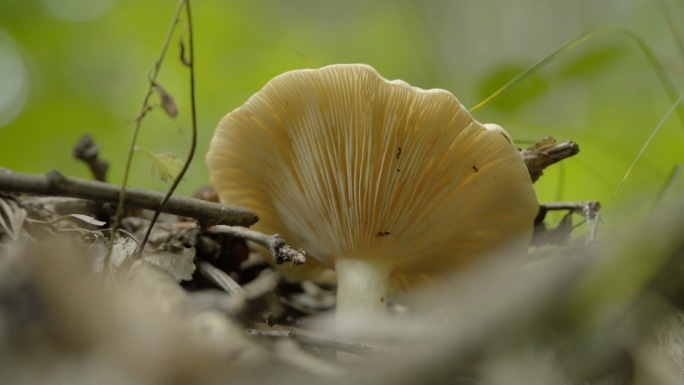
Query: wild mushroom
column 388, row 184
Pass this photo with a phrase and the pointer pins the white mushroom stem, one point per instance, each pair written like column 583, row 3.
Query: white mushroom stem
column 362, row 287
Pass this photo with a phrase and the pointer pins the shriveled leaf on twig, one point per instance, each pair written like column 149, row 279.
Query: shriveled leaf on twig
column 183, row 57
column 166, row 165
column 87, row 219
column 167, row 102
column 123, row 248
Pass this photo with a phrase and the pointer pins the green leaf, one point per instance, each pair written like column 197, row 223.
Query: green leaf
column 166, row 165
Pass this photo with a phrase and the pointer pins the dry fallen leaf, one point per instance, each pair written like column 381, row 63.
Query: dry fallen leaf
column 167, row 102
column 179, row 265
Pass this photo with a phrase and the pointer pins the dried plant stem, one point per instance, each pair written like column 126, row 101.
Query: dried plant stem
column 589, row 210
column 650, row 139
column 145, row 107
column 89, row 152
column 219, row 278
column 138, row 121
column 546, row 152
column 193, row 113
column 280, row 251
column 55, row 184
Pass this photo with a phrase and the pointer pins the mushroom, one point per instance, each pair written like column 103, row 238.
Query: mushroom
column 389, row 184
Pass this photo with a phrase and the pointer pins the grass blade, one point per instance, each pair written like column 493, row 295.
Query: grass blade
column 650, row 56
column 648, row 141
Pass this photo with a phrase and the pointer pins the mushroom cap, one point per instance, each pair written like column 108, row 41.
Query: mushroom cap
column 346, row 164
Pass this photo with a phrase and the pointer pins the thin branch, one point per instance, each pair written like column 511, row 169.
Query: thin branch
column 330, row 341
column 193, row 113
column 219, row 278
column 589, row 210
column 265, row 283
column 649, row 140
column 55, row 184
column 546, row 152
column 138, row 121
column 280, row 251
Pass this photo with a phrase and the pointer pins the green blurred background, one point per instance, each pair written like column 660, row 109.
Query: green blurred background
column 69, row 67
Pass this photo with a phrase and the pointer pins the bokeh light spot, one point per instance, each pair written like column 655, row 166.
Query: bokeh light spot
column 77, row 10
column 14, row 80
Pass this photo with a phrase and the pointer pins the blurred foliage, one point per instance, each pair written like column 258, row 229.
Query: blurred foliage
column 68, row 67
column 525, row 92
column 76, row 66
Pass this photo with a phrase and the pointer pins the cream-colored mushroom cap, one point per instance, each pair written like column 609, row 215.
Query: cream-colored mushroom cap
column 356, row 169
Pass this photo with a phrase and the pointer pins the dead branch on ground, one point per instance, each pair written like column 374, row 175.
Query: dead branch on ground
column 54, row 183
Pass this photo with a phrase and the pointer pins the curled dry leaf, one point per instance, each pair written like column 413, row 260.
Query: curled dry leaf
column 183, row 57
column 167, row 102
column 87, row 219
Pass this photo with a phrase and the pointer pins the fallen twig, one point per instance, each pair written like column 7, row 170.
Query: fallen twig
column 281, row 251
column 55, row 184
column 88, row 151
column 264, row 284
column 589, row 210
column 546, row 152
column 219, row 278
